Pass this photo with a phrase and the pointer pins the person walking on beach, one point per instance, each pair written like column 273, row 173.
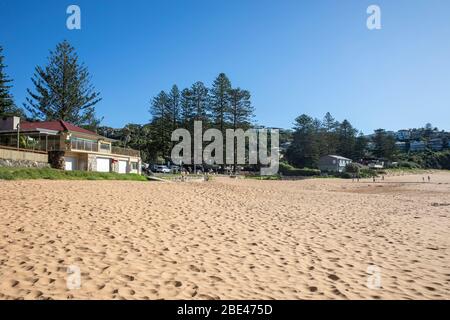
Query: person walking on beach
column 429, row 179
column 423, row 179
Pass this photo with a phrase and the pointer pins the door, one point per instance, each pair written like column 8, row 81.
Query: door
column 69, row 163
column 122, row 166
column 103, row 165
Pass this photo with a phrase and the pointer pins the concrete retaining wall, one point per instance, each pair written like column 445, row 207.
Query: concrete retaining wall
column 15, row 158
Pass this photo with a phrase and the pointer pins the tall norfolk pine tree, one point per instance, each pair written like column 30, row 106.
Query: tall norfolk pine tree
column 63, row 89
column 7, row 106
column 241, row 110
column 241, row 113
column 161, row 122
column 220, row 101
column 200, row 101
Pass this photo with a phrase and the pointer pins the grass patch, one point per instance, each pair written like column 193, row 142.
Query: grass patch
column 54, row 174
column 407, row 170
column 259, row 177
column 167, row 176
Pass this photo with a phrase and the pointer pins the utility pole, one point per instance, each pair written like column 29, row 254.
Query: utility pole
column 18, row 136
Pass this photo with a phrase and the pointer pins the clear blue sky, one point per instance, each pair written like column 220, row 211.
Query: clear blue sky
column 294, row 56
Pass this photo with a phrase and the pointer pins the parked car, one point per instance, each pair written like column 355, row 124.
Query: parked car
column 161, row 169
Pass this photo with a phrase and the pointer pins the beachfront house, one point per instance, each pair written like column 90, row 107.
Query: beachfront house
column 333, row 163
column 376, row 164
column 401, row 146
column 436, row 144
column 403, row 135
column 417, row 146
column 69, row 147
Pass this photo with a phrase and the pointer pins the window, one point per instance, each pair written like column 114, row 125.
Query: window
column 83, row 144
column 134, row 166
column 105, row 146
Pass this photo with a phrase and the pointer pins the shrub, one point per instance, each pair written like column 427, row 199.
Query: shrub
column 288, row 170
column 408, row 164
column 353, row 168
column 345, row 175
column 367, row 173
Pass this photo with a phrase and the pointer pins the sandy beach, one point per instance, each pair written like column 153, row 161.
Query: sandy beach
column 226, row 239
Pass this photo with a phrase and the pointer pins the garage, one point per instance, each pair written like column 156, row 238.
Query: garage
column 122, row 166
column 70, row 163
column 103, row 165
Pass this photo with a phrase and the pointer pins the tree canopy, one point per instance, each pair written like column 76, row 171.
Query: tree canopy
column 7, row 105
column 62, row 89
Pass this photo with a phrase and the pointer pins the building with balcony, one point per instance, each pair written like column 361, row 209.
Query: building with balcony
column 403, row 135
column 417, row 146
column 333, row 163
column 401, row 146
column 69, row 147
column 436, row 144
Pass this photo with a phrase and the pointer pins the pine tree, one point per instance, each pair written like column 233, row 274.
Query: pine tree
column 384, row 144
column 161, row 122
column 200, row 102
column 346, row 135
column 241, row 109
column 241, row 113
column 174, row 100
column 305, row 148
column 7, row 106
column 187, row 109
column 330, row 140
column 63, row 89
column 360, row 147
column 220, row 101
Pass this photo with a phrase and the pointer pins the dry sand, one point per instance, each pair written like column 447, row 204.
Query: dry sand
column 227, row 239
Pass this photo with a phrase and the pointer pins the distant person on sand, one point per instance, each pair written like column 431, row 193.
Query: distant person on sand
column 429, row 179
column 423, row 179
column 373, row 178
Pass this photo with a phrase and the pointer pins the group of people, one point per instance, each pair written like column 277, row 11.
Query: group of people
column 382, row 179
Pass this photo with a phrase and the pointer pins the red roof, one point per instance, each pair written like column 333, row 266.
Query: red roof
column 59, row 125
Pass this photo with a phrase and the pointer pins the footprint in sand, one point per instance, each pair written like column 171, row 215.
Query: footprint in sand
column 333, row 277
column 128, row 278
column 216, row 278
column 194, row 268
column 175, row 283
column 14, row 283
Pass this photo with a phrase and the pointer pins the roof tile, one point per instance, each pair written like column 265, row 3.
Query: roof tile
column 59, row 125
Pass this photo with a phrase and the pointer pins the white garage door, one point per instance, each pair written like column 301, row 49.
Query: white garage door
column 122, row 166
column 70, row 163
column 103, row 164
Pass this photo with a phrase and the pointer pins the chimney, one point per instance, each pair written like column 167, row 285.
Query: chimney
column 9, row 123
